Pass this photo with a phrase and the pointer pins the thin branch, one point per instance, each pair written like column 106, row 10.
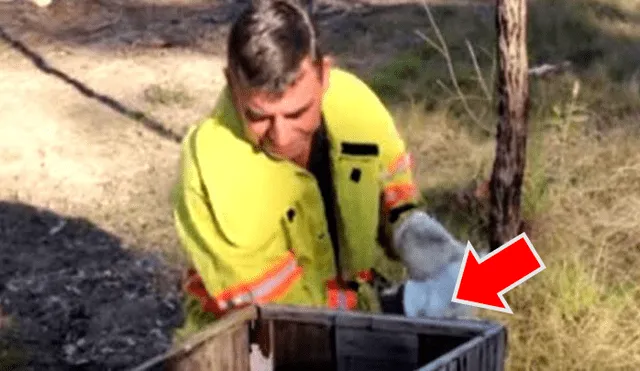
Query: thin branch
column 547, row 69
column 469, row 97
column 486, row 52
column 429, row 41
column 494, row 66
column 454, row 79
column 476, row 66
column 445, row 87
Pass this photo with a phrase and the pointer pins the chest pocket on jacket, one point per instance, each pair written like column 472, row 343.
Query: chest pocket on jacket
column 357, row 184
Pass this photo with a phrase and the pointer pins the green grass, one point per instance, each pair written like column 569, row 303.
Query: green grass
column 12, row 357
column 582, row 186
column 603, row 52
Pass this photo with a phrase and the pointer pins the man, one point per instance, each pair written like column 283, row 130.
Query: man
column 297, row 178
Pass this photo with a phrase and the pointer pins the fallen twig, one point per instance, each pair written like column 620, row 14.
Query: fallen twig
column 547, row 69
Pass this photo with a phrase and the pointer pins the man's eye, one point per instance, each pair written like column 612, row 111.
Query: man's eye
column 297, row 114
column 252, row 116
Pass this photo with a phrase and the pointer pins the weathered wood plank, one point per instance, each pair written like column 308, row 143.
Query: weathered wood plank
column 240, row 353
column 365, row 364
column 361, row 349
column 199, row 342
column 431, row 347
column 262, row 346
column 303, row 346
column 397, row 323
column 501, row 339
column 377, row 345
column 226, row 352
column 445, row 359
column 298, row 314
column 385, row 322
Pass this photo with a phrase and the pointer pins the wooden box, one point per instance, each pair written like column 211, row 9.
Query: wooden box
column 285, row 338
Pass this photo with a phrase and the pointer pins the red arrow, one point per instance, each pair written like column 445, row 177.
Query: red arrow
column 483, row 282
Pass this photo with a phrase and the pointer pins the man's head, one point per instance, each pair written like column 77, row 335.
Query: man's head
column 277, row 76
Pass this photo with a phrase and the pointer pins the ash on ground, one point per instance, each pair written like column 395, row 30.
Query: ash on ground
column 72, row 298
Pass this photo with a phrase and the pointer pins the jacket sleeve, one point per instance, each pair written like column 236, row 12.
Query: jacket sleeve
column 399, row 189
column 400, row 193
column 222, row 275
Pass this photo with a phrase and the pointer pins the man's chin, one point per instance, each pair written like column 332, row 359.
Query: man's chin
column 277, row 155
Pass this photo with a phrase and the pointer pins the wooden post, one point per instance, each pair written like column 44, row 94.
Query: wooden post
column 513, row 108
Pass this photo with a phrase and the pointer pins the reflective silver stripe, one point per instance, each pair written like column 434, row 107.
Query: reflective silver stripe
column 241, row 299
column 265, row 287
column 342, row 299
column 404, row 163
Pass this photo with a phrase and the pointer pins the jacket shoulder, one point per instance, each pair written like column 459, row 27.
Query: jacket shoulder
column 349, row 95
column 354, row 112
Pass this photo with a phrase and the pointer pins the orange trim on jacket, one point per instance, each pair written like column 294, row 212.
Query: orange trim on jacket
column 339, row 296
column 403, row 162
column 268, row 287
column 395, row 194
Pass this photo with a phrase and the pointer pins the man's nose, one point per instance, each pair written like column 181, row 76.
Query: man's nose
column 279, row 134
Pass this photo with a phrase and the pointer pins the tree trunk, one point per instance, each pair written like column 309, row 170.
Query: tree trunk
column 513, row 108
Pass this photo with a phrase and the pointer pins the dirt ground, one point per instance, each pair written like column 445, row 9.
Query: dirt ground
column 94, row 96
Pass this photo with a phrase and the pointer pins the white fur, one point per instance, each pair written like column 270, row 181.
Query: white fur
column 432, row 298
column 433, row 258
column 425, row 246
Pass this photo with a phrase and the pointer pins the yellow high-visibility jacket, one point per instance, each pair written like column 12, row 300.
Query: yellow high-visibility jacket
column 254, row 228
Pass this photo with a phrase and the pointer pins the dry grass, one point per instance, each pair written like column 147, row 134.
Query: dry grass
column 582, row 191
column 168, row 95
column 583, row 312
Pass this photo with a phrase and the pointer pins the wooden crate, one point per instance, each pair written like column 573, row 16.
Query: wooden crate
column 285, row 338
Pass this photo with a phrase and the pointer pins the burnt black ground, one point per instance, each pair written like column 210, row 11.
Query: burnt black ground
column 76, row 299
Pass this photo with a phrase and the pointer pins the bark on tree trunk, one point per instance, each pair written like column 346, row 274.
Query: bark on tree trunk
column 513, row 108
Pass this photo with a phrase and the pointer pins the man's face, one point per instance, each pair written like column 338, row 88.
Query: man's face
column 283, row 126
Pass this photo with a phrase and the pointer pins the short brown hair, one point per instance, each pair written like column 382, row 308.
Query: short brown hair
column 268, row 42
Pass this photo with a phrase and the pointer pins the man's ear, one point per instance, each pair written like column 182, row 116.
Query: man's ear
column 327, row 65
column 227, row 75
column 230, row 82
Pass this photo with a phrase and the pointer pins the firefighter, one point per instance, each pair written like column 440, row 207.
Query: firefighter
column 296, row 181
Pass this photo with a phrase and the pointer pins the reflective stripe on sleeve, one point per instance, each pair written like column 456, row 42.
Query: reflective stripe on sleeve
column 402, row 163
column 395, row 194
column 340, row 297
column 269, row 286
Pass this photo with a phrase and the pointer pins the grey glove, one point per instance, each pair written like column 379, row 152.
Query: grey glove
column 424, row 246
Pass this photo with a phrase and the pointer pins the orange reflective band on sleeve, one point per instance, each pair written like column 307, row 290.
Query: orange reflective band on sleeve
column 339, row 297
column 195, row 286
column 267, row 287
column 395, row 194
column 404, row 162
column 366, row 275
